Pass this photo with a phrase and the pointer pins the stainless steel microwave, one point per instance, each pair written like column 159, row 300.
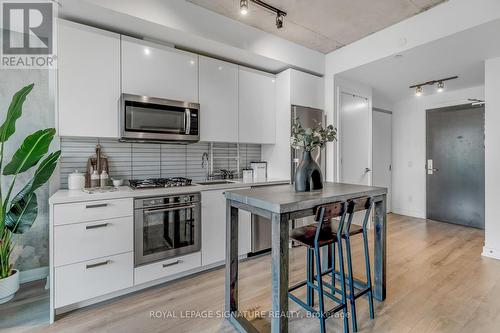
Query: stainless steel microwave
column 155, row 119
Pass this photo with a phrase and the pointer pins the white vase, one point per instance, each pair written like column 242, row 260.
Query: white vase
column 9, row 286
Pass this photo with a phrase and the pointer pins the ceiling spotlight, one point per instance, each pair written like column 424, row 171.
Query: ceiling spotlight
column 419, row 91
column 440, row 86
column 244, row 7
column 279, row 21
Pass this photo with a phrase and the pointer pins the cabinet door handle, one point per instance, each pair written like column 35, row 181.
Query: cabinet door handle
column 95, row 226
column 172, row 263
column 98, row 264
column 96, row 205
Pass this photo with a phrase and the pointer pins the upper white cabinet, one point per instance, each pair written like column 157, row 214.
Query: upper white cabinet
column 307, row 90
column 218, row 100
column 257, row 115
column 154, row 70
column 88, row 81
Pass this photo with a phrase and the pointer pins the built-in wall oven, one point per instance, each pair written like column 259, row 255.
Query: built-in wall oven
column 166, row 227
column 155, row 119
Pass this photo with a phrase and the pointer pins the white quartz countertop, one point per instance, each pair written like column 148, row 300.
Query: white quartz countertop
column 68, row 196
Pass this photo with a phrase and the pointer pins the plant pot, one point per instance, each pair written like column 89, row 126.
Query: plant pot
column 308, row 175
column 9, row 286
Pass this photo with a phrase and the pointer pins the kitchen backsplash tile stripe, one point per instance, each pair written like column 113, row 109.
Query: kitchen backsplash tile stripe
column 143, row 160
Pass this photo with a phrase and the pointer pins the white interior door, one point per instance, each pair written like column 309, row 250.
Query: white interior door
column 355, row 139
column 382, row 151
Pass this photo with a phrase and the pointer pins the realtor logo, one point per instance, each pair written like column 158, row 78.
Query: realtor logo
column 27, row 34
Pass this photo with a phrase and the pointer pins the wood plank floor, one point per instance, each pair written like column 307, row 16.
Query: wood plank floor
column 437, row 282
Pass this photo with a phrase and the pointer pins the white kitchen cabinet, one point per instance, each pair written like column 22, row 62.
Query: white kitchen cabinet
column 88, row 81
column 84, row 280
column 213, row 229
column 164, row 268
column 307, row 90
column 84, row 241
column 218, row 100
column 155, row 70
column 257, row 114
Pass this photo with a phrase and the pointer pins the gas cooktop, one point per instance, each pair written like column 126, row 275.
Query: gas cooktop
column 159, row 182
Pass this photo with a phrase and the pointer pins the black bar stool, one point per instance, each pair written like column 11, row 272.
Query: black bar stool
column 357, row 288
column 315, row 236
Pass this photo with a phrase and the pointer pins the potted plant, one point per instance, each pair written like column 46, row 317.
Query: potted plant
column 308, row 175
column 18, row 212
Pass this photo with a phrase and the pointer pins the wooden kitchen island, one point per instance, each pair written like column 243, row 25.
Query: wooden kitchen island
column 281, row 204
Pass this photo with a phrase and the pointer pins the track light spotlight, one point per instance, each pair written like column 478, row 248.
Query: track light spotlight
column 244, row 7
column 419, row 91
column 440, row 86
column 279, row 21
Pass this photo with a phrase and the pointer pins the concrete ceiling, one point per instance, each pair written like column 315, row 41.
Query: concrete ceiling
column 323, row 25
column 461, row 54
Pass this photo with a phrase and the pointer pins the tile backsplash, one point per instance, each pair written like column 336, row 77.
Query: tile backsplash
column 150, row 160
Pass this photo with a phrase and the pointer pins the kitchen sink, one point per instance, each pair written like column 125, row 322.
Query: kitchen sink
column 215, row 182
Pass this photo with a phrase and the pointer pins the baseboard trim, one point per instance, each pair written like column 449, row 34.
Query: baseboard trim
column 420, row 215
column 491, row 253
column 34, row 274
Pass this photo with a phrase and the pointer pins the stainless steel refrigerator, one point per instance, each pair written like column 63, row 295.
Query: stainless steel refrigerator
column 261, row 227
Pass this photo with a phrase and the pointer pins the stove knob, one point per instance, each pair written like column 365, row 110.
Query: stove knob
column 186, row 199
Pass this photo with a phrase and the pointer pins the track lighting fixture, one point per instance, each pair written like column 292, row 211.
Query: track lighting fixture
column 244, row 7
column 280, row 15
column 419, row 90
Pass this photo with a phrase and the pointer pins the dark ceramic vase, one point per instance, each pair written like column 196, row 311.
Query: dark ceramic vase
column 308, row 175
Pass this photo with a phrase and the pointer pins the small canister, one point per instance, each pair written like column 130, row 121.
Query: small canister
column 76, row 180
column 247, row 175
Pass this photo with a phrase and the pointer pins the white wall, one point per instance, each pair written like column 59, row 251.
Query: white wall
column 382, row 102
column 409, row 147
column 441, row 21
column 492, row 158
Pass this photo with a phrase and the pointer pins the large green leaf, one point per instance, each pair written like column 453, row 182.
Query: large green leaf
column 15, row 110
column 22, row 213
column 31, row 151
column 44, row 170
column 23, row 210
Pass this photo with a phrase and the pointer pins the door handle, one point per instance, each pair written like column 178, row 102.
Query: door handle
column 96, row 205
column 188, row 121
column 152, row 211
column 172, row 263
column 367, row 170
column 98, row 264
column 96, row 226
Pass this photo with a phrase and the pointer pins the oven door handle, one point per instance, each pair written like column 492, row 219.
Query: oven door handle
column 152, row 211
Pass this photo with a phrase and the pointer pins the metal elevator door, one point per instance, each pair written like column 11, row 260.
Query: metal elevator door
column 455, row 165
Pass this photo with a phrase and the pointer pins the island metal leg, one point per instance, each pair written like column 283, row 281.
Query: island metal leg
column 231, row 302
column 231, row 293
column 279, row 269
column 380, row 232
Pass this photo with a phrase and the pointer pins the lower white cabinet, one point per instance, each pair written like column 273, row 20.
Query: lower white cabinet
column 161, row 269
column 93, row 278
column 84, row 241
column 213, row 228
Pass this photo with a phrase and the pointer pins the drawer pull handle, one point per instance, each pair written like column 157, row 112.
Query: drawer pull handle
column 96, row 205
column 95, row 226
column 172, row 263
column 98, row 264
